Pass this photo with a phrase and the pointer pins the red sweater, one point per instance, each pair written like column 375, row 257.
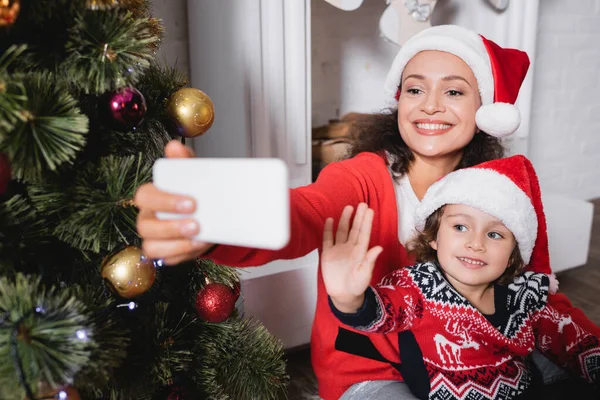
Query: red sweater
column 364, row 178
column 452, row 351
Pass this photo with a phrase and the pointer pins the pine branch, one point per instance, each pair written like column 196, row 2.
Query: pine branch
column 149, row 140
column 96, row 213
column 53, row 133
column 12, row 93
column 52, row 11
column 139, row 8
column 238, row 359
column 158, row 83
column 46, row 329
column 22, row 233
column 214, row 272
column 108, row 50
column 163, row 348
column 111, row 336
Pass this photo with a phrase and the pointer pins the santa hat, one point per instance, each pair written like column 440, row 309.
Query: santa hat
column 499, row 72
column 507, row 189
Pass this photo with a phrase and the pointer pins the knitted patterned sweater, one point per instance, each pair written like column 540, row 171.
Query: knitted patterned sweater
column 452, row 351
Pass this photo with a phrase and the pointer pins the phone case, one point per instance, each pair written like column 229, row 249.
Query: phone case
column 239, row 201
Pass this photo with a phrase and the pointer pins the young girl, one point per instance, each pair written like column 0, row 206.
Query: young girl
column 468, row 313
column 449, row 86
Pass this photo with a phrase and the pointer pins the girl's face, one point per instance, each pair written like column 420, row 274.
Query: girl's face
column 437, row 104
column 473, row 248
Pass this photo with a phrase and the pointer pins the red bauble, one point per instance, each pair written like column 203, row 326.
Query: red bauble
column 215, row 302
column 4, row 173
column 177, row 393
column 126, row 108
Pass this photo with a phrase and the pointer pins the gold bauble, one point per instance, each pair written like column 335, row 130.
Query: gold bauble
column 129, row 272
column 9, row 11
column 192, row 111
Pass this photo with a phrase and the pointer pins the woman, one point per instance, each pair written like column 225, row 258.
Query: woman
column 447, row 83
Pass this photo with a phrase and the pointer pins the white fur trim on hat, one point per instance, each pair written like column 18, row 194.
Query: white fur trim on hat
column 461, row 42
column 479, row 188
column 498, row 119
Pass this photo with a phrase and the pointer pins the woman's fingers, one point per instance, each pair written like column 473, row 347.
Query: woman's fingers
column 169, row 249
column 176, row 149
column 153, row 228
column 341, row 235
column 148, row 197
column 181, row 258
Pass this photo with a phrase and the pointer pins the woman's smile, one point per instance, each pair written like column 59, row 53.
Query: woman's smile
column 428, row 127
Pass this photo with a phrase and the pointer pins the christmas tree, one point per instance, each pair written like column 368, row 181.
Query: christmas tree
column 85, row 110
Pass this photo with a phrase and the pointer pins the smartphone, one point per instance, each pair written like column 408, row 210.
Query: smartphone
column 239, row 201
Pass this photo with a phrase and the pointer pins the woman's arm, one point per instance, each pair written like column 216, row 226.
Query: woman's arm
column 339, row 184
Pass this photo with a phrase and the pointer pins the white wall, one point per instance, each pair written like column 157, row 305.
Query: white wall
column 565, row 125
column 349, row 60
column 174, row 48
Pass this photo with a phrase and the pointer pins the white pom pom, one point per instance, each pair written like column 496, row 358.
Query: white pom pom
column 498, row 119
column 553, row 284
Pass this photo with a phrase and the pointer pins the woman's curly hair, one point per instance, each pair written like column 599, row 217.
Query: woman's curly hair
column 379, row 132
column 420, row 246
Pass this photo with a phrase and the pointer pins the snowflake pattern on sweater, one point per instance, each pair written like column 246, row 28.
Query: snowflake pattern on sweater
column 465, row 356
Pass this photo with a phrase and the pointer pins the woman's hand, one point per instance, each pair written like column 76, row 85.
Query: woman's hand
column 346, row 264
column 170, row 240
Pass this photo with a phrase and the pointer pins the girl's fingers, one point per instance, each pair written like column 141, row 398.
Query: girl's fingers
column 371, row 257
column 148, row 197
column 364, row 235
column 341, row 235
column 357, row 223
column 328, row 234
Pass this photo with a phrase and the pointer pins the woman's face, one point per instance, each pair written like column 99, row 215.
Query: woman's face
column 437, row 105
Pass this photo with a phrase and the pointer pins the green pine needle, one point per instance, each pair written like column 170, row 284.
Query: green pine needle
column 149, row 140
column 159, row 83
column 161, row 349
column 108, row 50
column 12, row 92
column 21, row 233
column 53, row 133
column 214, row 272
column 95, row 214
column 239, row 359
column 111, row 336
column 173, row 342
column 49, row 342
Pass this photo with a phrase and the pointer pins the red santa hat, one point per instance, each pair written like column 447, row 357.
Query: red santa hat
column 499, row 72
column 507, row 189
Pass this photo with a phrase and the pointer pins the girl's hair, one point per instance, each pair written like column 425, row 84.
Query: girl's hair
column 379, row 132
column 421, row 248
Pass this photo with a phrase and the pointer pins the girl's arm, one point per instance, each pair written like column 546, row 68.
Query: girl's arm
column 389, row 307
column 347, row 266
